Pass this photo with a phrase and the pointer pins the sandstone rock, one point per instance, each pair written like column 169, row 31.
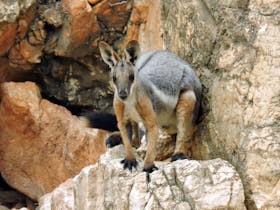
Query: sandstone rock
column 77, row 28
column 145, row 25
column 53, row 16
column 212, row 184
column 234, row 46
column 7, row 36
column 61, row 198
column 41, row 144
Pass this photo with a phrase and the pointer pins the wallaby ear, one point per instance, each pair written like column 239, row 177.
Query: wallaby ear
column 132, row 51
column 108, row 54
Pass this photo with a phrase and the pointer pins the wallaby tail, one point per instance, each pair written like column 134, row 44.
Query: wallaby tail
column 101, row 120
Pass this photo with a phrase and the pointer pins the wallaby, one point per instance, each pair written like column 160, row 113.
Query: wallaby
column 158, row 89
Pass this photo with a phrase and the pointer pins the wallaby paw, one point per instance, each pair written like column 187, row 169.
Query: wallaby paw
column 113, row 140
column 179, row 156
column 129, row 164
column 150, row 169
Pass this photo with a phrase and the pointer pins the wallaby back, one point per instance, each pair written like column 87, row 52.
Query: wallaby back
column 163, row 76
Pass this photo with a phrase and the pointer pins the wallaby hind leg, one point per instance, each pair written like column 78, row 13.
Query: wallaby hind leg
column 185, row 127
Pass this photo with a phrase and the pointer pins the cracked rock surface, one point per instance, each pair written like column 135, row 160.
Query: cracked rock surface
column 212, row 184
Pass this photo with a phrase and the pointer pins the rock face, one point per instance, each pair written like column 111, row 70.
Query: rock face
column 41, row 144
column 234, row 46
column 212, row 184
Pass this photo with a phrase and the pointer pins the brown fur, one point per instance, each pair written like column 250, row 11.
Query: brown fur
column 135, row 135
column 184, row 111
column 119, row 108
column 133, row 105
column 145, row 109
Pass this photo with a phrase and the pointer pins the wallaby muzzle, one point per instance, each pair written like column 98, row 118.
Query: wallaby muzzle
column 123, row 94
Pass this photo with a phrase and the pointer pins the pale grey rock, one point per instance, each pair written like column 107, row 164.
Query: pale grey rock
column 10, row 9
column 234, row 46
column 185, row 184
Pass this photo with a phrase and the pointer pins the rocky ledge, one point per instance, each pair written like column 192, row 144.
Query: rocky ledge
column 185, row 184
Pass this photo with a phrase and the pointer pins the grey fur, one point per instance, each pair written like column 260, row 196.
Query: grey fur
column 171, row 75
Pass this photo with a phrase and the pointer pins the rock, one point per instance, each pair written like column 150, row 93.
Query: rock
column 41, row 144
column 53, row 16
column 7, row 36
column 61, row 197
column 234, row 47
column 9, row 31
column 145, row 25
column 79, row 25
column 3, row 207
column 183, row 184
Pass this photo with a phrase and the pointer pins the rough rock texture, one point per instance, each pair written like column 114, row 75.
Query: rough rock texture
column 57, row 41
column 212, row 184
column 234, row 45
column 61, row 197
column 41, row 144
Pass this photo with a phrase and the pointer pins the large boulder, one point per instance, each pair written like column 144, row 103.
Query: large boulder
column 42, row 144
column 212, row 184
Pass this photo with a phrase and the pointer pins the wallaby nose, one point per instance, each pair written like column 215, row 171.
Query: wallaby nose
column 123, row 94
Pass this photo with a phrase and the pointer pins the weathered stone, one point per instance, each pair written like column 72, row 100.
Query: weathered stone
column 7, row 36
column 41, row 144
column 53, row 16
column 10, row 10
column 234, row 46
column 61, row 198
column 25, row 54
column 144, row 25
column 183, row 184
column 24, row 22
column 79, row 25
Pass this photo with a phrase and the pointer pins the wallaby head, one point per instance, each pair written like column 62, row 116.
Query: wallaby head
column 123, row 72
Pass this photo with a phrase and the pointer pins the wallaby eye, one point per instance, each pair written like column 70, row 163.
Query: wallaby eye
column 131, row 77
column 114, row 79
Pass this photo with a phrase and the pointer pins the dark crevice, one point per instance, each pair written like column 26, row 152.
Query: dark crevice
column 11, row 198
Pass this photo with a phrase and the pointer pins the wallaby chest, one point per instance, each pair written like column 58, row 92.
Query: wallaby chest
column 130, row 111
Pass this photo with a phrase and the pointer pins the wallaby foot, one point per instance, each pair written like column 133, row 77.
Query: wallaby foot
column 179, row 156
column 113, row 140
column 130, row 164
column 150, row 169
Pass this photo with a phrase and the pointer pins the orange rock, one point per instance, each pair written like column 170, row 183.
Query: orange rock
column 113, row 15
column 24, row 22
column 42, row 144
column 77, row 29
column 144, row 25
column 25, row 53
column 7, row 36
